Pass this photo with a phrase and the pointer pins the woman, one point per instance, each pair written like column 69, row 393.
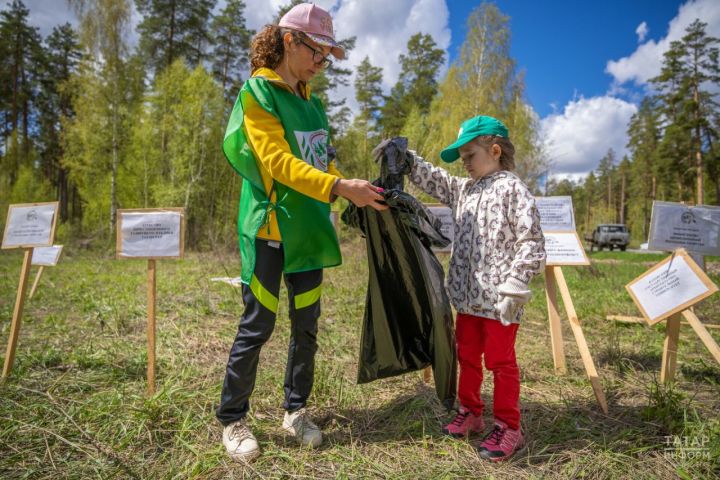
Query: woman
column 277, row 139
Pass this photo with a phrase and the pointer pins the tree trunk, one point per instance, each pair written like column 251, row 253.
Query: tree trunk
column 62, row 184
column 171, row 36
column 700, row 194
column 622, row 199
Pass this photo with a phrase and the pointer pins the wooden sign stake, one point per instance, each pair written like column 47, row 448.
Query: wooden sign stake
column 151, row 328
column 554, row 275
column 702, row 332
column 556, row 337
column 17, row 315
column 37, row 280
column 672, row 336
column 669, row 357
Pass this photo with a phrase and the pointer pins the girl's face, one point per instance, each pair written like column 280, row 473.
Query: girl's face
column 306, row 58
column 480, row 161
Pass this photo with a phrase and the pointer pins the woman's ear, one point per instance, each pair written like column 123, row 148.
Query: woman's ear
column 287, row 40
column 496, row 151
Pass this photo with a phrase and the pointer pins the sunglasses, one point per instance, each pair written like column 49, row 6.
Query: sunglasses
column 318, row 56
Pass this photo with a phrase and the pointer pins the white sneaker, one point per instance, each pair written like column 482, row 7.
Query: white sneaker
column 299, row 425
column 240, row 442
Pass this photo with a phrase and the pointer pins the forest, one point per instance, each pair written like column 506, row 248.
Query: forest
column 97, row 123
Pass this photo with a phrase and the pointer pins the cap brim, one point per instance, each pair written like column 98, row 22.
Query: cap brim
column 336, row 50
column 451, row 153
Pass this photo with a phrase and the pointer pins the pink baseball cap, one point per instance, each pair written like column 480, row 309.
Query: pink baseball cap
column 314, row 22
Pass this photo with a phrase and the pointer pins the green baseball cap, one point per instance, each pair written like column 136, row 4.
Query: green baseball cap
column 476, row 126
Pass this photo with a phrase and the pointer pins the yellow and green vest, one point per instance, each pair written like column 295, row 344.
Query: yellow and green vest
column 309, row 239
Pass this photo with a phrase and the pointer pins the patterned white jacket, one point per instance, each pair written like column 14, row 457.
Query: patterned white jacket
column 498, row 242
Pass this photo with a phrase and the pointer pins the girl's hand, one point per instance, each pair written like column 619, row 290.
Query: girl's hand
column 360, row 192
column 508, row 306
column 512, row 295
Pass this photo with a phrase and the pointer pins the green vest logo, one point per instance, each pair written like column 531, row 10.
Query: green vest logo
column 313, row 148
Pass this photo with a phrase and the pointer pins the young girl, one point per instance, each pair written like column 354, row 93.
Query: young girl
column 498, row 248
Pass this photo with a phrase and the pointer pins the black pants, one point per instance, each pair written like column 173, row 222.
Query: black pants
column 256, row 326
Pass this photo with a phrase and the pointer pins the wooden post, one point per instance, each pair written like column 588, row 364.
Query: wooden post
column 556, row 337
column 17, row 315
column 580, row 340
column 669, row 358
column 151, row 328
column 37, row 280
column 427, row 373
column 702, row 332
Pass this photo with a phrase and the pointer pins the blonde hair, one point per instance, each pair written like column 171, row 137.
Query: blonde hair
column 507, row 149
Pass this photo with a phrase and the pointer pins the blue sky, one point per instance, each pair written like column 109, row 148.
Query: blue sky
column 586, row 63
column 564, row 46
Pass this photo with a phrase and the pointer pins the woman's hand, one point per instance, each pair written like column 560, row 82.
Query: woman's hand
column 360, row 192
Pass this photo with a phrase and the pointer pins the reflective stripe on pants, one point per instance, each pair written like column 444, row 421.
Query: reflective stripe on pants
column 256, row 326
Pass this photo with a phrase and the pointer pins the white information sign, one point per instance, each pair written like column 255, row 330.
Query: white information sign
column 556, row 213
column 669, row 287
column 150, row 233
column 444, row 214
column 564, row 248
column 30, row 225
column 674, row 225
column 46, row 256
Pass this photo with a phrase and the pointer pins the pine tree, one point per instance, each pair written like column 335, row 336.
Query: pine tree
column 689, row 65
column 173, row 29
column 232, row 44
column 417, row 83
column 644, row 143
column 368, row 93
column 20, row 51
column 61, row 57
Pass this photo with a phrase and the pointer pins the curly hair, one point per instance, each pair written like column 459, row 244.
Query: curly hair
column 267, row 48
column 507, row 149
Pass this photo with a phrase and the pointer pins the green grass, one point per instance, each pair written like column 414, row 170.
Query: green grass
column 75, row 406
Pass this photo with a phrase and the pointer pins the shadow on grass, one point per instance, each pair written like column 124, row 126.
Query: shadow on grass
column 626, row 361
column 553, row 431
column 701, row 372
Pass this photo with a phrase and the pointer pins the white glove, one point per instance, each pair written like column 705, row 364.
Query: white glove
column 512, row 295
column 508, row 306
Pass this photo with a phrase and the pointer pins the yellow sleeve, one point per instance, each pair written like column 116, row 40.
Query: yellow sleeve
column 267, row 138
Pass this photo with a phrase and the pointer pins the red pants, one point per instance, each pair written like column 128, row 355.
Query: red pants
column 477, row 337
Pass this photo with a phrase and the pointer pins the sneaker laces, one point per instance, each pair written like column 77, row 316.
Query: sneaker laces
column 240, row 431
column 460, row 417
column 496, row 435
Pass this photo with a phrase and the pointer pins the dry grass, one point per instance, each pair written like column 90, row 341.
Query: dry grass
column 75, row 406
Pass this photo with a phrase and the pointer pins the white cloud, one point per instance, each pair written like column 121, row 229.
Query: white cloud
column 383, row 28
column 258, row 13
column 645, row 62
column 46, row 15
column 641, row 31
column 581, row 135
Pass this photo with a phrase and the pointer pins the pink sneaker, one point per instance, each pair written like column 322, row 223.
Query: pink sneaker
column 501, row 443
column 464, row 424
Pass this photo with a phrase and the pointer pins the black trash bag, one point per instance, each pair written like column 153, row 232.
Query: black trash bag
column 408, row 323
column 395, row 162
